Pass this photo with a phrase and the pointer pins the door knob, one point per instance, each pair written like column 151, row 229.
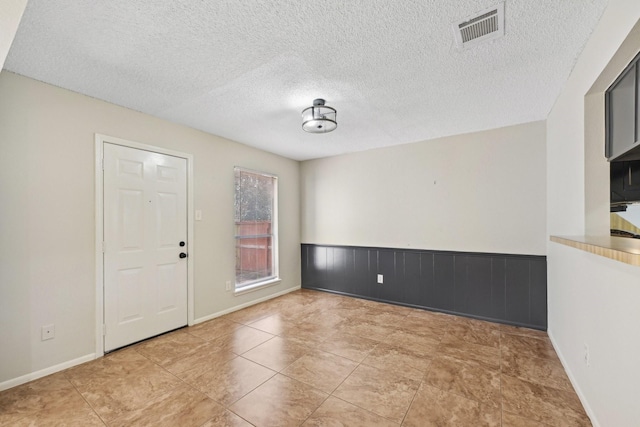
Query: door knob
column 182, row 243
column 183, row 255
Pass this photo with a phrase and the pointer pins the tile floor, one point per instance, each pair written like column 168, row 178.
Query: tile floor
column 313, row 359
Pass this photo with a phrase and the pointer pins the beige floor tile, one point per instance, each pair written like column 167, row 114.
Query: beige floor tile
column 511, row 420
column 274, row 324
column 368, row 330
column 277, row 353
column 546, row 372
column 399, row 309
column 383, row 393
column 544, row 404
column 350, row 302
column 425, row 345
column 294, row 311
column 275, row 305
column 433, row 318
column 477, row 323
column 438, row 408
column 212, row 329
column 469, row 380
column 281, row 401
column 250, row 314
column 353, row 303
column 369, row 355
column 242, row 340
column 112, row 366
column 421, row 327
column 199, row 361
column 229, row 381
column 336, row 412
column 315, row 325
column 47, row 401
column 324, row 371
column 295, row 316
column 346, row 313
column 527, row 346
column 328, row 319
column 306, row 304
column 380, row 315
column 476, row 332
column 527, row 332
column 67, row 417
column 182, row 406
column 349, row 346
column 455, row 347
column 398, row 360
column 226, row 418
column 307, row 333
column 116, row 396
column 167, row 350
column 326, row 301
column 389, row 308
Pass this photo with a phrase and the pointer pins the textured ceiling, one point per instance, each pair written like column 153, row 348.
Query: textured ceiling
column 246, row 69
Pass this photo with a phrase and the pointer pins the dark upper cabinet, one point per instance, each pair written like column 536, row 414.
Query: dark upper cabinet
column 616, row 178
column 622, row 115
column 632, row 183
column 625, row 181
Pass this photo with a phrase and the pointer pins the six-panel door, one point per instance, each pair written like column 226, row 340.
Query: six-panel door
column 145, row 221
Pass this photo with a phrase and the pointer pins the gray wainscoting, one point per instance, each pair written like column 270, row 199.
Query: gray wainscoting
column 503, row 288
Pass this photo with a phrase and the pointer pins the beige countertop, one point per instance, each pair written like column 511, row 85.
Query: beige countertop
column 618, row 248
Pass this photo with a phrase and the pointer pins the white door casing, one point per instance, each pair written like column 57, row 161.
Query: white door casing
column 145, row 209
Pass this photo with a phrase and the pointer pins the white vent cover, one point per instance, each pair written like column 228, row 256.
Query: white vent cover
column 488, row 24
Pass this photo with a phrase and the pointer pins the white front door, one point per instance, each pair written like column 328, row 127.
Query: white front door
column 145, row 244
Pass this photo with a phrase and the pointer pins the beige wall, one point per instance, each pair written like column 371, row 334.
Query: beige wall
column 10, row 15
column 478, row 192
column 47, row 266
column 592, row 301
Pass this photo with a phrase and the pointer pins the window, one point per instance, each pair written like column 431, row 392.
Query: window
column 256, row 221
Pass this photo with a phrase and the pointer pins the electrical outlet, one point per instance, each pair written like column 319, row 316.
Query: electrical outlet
column 587, row 356
column 48, row 332
column 380, row 279
column 227, row 285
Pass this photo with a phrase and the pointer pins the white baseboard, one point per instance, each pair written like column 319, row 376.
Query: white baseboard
column 245, row 305
column 44, row 372
column 574, row 383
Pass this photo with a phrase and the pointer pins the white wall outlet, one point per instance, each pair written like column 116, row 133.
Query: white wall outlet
column 587, row 356
column 227, row 285
column 198, row 215
column 380, row 278
column 48, row 332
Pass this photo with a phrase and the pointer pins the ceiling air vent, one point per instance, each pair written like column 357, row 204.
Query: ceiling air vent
column 485, row 25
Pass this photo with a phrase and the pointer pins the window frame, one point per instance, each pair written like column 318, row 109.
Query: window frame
column 274, row 278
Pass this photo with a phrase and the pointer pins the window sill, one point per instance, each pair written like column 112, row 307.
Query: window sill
column 257, row 286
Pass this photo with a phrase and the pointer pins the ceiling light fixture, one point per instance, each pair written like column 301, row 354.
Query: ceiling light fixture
column 319, row 118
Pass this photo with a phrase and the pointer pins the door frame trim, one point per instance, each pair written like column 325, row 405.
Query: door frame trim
column 100, row 140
